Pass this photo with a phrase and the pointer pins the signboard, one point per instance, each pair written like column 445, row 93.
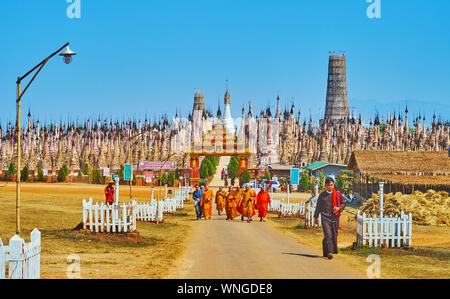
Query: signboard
column 295, row 176
column 106, row 171
column 168, row 165
column 45, row 172
column 148, row 176
column 128, row 172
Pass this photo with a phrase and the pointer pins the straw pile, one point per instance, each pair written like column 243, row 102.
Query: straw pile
column 430, row 208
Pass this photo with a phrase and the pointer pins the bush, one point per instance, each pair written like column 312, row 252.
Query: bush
column 171, row 179
column 266, row 176
column 80, row 176
column 233, row 167
column 63, row 173
column 85, row 169
column 24, row 174
column 244, row 177
column 40, row 174
column 96, row 177
column 304, row 183
column 206, row 169
column 10, row 172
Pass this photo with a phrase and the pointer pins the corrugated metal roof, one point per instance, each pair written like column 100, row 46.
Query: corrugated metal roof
column 318, row 165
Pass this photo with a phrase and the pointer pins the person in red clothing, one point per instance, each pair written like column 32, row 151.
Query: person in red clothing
column 262, row 204
column 109, row 193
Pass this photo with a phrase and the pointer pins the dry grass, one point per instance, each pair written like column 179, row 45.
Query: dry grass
column 430, row 208
column 428, row 258
column 56, row 209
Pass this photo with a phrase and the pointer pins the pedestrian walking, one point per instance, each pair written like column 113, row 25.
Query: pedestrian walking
column 330, row 205
column 197, row 197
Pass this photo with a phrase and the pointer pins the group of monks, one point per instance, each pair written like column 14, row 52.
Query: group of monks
column 237, row 201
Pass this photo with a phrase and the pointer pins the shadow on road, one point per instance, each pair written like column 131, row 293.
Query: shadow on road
column 305, row 255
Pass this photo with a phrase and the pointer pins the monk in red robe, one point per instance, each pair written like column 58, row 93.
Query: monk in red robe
column 262, row 204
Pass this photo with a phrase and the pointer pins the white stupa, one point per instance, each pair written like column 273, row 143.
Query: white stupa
column 227, row 120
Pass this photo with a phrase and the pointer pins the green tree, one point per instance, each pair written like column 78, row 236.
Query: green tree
column 121, row 174
column 321, row 181
column 40, row 174
column 164, row 179
column 266, row 176
column 63, row 173
column 80, row 176
column 24, row 174
column 206, row 169
column 244, row 177
column 304, row 183
column 171, row 178
column 96, row 177
column 85, row 169
column 233, row 167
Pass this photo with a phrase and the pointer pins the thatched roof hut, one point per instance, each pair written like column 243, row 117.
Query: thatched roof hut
column 421, row 163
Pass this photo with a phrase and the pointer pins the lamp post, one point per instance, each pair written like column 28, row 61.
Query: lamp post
column 67, row 57
column 157, row 202
column 130, row 156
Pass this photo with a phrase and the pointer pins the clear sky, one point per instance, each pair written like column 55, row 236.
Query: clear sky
column 143, row 56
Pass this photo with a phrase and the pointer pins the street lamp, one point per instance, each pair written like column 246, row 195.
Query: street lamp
column 67, row 55
column 159, row 179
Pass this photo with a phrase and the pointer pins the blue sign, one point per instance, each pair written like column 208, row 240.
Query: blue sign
column 128, row 172
column 295, row 176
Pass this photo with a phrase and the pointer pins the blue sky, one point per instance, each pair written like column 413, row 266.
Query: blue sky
column 146, row 57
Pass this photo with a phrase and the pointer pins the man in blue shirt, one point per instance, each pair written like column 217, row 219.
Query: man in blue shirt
column 197, row 197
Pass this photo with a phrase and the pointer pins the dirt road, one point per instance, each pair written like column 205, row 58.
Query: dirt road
column 222, row 248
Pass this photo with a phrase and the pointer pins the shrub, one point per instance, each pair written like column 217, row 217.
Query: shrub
column 80, row 176
column 40, row 174
column 85, row 169
column 171, row 179
column 244, row 177
column 63, row 173
column 96, row 177
column 233, row 167
column 304, row 183
column 24, row 174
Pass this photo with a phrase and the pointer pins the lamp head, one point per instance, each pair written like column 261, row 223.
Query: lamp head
column 67, row 55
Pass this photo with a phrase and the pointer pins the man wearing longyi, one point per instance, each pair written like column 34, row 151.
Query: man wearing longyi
column 330, row 205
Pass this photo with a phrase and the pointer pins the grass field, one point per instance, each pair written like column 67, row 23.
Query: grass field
column 55, row 209
column 429, row 257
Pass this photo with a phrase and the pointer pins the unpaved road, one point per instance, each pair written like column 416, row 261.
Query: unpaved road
column 220, row 248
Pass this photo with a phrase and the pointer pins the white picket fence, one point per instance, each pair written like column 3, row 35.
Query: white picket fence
column 309, row 216
column 109, row 218
column 148, row 211
column 390, row 231
column 23, row 259
column 294, row 209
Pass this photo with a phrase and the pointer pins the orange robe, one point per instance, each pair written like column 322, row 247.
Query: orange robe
column 230, row 204
column 220, row 200
column 247, row 203
column 207, row 198
column 238, row 200
column 262, row 203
